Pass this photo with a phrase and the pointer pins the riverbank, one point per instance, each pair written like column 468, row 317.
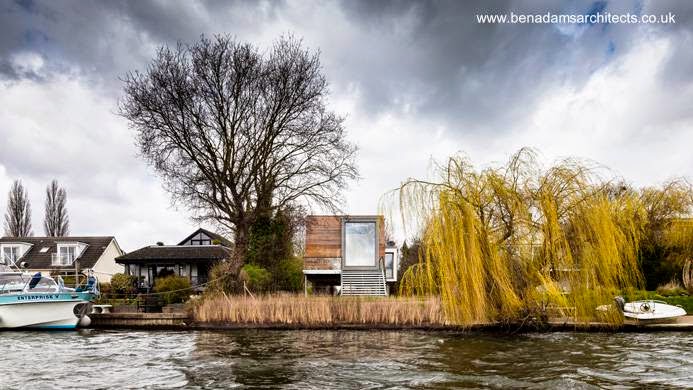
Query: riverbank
column 298, row 312
column 182, row 321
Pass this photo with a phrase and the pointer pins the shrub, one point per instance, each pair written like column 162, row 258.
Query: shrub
column 123, row 284
column 174, row 289
column 105, row 288
column 256, row 278
column 288, row 275
column 222, row 279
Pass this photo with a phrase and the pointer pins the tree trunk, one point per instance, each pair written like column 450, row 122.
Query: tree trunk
column 240, row 249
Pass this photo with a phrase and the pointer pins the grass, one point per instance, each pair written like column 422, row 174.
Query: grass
column 290, row 309
column 673, row 288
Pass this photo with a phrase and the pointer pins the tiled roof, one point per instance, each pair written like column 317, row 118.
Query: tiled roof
column 38, row 260
column 169, row 253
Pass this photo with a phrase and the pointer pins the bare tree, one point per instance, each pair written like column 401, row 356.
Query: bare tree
column 56, row 222
column 236, row 132
column 18, row 215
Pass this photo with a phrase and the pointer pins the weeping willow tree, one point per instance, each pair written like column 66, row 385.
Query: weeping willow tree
column 506, row 243
column 668, row 242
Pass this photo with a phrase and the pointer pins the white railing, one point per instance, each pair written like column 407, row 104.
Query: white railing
column 58, row 260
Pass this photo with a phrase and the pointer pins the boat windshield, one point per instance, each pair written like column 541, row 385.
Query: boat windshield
column 46, row 284
column 12, row 282
column 15, row 282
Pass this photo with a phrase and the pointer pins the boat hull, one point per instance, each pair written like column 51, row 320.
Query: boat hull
column 42, row 310
column 652, row 311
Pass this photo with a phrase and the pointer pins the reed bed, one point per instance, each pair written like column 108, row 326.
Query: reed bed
column 291, row 309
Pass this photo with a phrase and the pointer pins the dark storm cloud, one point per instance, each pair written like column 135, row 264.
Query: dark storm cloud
column 432, row 58
column 483, row 76
column 108, row 38
column 429, row 58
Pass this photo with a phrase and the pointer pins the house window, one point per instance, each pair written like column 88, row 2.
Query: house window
column 146, row 275
column 201, row 239
column 10, row 254
column 163, row 271
column 389, row 265
column 360, row 244
column 66, row 255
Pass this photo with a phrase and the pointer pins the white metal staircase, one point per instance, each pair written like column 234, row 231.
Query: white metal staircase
column 367, row 282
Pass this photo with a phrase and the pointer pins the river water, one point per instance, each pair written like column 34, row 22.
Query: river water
column 98, row 359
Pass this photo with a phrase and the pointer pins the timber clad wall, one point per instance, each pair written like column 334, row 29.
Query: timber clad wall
column 323, row 236
column 381, row 236
column 324, row 241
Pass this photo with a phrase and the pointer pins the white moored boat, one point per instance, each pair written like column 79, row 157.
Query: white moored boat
column 35, row 301
column 649, row 310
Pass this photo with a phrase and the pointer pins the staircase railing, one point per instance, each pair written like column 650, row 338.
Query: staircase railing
column 364, row 282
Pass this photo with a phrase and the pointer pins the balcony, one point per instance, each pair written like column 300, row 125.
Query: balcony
column 62, row 260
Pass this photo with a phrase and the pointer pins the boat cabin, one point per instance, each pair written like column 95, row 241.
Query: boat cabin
column 349, row 255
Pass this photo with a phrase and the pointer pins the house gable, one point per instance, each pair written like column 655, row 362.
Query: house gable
column 205, row 237
column 106, row 266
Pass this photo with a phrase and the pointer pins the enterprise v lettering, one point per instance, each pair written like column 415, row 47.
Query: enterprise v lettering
column 37, row 297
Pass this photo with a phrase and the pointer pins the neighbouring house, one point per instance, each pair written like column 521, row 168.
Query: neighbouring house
column 349, row 255
column 63, row 256
column 193, row 258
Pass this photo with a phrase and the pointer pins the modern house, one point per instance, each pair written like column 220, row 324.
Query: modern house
column 192, row 258
column 349, row 255
column 63, row 256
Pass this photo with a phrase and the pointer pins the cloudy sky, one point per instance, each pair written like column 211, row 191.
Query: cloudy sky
column 416, row 80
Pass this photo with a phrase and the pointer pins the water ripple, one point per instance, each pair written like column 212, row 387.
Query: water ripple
column 343, row 359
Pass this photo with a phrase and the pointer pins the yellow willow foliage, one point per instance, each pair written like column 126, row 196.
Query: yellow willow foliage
column 679, row 234
column 502, row 244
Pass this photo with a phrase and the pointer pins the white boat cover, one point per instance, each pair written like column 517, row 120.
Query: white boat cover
column 651, row 310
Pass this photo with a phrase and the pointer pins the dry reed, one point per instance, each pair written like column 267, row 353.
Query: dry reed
column 290, row 309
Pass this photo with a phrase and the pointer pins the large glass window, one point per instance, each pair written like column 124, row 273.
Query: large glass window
column 359, row 244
